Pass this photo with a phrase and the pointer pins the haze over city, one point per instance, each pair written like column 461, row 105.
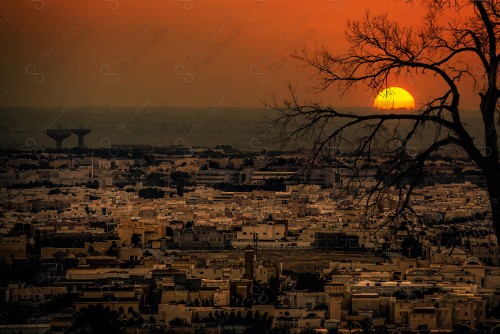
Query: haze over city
column 250, row 166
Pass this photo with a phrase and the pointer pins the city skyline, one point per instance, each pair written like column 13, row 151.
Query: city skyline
column 250, row 166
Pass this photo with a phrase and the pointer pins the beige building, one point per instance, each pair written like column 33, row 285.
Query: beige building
column 123, row 300
column 440, row 311
column 12, row 248
column 264, row 232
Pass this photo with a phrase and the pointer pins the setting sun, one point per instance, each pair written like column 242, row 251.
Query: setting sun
column 394, row 98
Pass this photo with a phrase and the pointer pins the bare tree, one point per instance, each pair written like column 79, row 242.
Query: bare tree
column 379, row 48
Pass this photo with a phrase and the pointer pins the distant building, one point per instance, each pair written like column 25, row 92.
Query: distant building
column 252, row 177
column 327, row 177
column 239, row 290
column 263, row 232
column 120, row 299
column 334, row 240
column 217, row 176
column 199, row 238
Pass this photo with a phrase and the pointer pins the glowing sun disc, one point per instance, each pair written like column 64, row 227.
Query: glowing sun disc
column 394, row 98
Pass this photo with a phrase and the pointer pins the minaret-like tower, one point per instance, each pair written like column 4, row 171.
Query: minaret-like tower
column 336, row 293
column 249, row 259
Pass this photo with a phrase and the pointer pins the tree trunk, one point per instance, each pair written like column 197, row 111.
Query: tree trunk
column 493, row 180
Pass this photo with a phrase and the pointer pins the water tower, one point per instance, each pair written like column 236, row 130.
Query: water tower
column 81, row 133
column 58, row 135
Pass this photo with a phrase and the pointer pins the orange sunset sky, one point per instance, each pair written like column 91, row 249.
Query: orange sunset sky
column 180, row 52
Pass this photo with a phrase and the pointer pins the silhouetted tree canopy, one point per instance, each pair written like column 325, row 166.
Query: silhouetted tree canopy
column 151, row 193
column 96, row 319
column 457, row 40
